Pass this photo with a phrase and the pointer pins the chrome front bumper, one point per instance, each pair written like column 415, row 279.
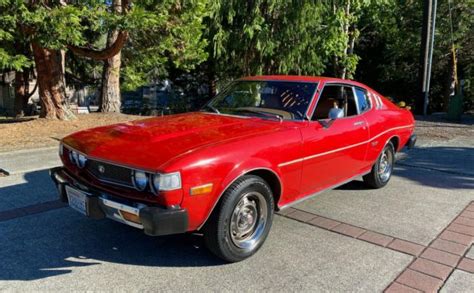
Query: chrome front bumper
column 114, row 210
column 153, row 220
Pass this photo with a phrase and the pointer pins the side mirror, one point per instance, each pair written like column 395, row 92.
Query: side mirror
column 335, row 113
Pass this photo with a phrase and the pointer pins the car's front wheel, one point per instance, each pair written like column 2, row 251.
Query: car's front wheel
column 382, row 169
column 242, row 220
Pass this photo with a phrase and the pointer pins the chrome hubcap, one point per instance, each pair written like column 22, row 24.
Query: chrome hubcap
column 248, row 220
column 385, row 165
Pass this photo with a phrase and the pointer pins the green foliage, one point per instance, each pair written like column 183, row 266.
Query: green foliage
column 390, row 48
column 463, row 39
column 286, row 37
column 170, row 38
column 13, row 61
column 266, row 37
column 163, row 34
column 9, row 57
column 52, row 27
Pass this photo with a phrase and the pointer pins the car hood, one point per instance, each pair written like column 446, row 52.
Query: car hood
column 150, row 143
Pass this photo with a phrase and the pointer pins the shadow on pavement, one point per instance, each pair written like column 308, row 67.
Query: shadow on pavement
column 18, row 191
column 446, row 180
column 56, row 242
column 454, row 164
column 354, row 185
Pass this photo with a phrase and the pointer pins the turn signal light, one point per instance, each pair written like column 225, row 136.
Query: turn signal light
column 130, row 217
column 201, row 189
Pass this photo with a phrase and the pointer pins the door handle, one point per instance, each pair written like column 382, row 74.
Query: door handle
column 358, row 123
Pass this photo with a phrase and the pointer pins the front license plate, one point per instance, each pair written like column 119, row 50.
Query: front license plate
column 77, row 200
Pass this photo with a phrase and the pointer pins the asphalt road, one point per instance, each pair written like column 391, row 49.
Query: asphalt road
column 58, row 249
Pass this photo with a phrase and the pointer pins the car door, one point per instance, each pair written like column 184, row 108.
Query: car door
column 334, row 150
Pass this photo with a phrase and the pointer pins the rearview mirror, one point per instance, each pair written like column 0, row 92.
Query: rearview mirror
column 335, row 113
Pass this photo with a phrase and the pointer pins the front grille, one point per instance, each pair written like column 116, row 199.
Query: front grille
column 110, row 173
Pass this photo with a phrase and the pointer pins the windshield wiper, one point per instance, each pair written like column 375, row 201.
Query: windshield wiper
column 214, row 109
column 262, row 114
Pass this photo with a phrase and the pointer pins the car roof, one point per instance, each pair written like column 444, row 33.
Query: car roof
column 303, row 78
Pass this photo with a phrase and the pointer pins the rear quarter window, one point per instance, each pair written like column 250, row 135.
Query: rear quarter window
column 363, row 101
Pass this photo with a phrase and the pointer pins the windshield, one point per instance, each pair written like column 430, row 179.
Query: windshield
column 266, row 99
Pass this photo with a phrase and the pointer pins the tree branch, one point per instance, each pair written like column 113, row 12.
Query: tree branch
column 104, row 54
column 109, row 51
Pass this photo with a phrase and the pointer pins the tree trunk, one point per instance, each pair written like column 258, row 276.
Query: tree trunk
column 22, row 83
column 52, row 90
column 110, row 93
column 451, row 80
column 345, row 28
column 21, row 92
column 109, row 100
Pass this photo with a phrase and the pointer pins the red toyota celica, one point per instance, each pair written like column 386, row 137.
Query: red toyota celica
column 262, row 144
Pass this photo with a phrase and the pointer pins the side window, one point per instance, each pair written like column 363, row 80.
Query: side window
column 362, row 100
column 335, row 96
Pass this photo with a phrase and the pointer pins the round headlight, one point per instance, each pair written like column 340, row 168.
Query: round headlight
column 73, row 157
column 81, row 161
column 140, row 180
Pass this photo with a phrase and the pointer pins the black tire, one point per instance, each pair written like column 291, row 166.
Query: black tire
column 220, row 240
column 375, row 179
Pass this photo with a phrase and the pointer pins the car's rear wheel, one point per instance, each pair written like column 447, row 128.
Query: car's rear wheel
column 382, row 169
column 242, row 220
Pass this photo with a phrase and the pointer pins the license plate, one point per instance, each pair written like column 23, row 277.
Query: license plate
column 77, row 200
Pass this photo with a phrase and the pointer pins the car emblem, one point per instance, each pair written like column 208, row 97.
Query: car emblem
column 101, row 169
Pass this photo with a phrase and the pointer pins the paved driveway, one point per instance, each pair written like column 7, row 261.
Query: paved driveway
column 416, row 205
column 379, row 233
column 61, row 250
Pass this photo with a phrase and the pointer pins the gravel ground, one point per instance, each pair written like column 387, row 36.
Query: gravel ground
column 436, row 129
column 36, row 133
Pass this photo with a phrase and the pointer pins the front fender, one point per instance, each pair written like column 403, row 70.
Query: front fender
column 200, row 207
column 247, row 167
column 235, row 174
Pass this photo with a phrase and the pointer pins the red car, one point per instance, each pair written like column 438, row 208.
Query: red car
column 262, row 144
